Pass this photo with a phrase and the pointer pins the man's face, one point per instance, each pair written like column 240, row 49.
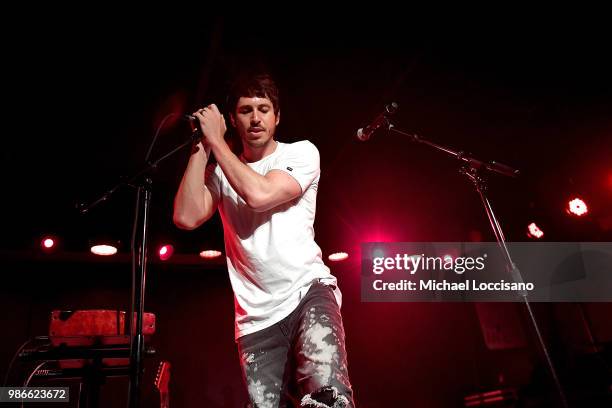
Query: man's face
column 255, row 120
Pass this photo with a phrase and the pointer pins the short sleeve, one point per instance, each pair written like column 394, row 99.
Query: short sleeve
column 213, row 182
column 300, row 160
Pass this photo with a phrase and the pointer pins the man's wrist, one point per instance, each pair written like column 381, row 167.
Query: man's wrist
column 219, row 147
column 197, row 148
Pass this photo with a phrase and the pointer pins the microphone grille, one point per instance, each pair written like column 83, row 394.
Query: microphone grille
column 391, row 108
column 361, row 135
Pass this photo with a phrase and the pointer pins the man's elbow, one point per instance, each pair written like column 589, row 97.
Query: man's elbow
column 187, row 223
column 264, row 202
column 257, row 202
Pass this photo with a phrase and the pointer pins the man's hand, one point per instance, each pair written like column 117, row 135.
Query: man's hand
column 212, row 124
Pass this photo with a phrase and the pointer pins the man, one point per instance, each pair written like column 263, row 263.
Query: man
column 288, row 324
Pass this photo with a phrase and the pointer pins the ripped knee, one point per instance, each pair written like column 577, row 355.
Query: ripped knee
column 324, row 397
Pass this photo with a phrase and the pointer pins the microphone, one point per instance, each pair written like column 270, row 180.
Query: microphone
column 364, row 133
column 193, row 122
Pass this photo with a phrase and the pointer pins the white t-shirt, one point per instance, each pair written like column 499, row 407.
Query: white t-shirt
column 272, row 257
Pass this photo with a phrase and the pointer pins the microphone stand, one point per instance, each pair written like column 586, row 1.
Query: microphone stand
column 144, row 186
column 473, row 168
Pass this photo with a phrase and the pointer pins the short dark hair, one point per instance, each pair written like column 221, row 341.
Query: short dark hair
column 253, row 85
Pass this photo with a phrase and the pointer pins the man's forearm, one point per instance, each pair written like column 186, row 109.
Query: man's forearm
column 248, row 184
column 192, row 206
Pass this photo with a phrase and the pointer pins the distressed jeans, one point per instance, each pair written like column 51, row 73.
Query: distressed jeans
column 301, row 360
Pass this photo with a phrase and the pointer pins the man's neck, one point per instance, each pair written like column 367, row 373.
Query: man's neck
column 252, row 154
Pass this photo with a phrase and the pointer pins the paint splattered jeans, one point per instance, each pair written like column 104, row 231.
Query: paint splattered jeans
column 301, row 360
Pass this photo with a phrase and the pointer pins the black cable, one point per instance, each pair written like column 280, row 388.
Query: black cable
column 159, row 128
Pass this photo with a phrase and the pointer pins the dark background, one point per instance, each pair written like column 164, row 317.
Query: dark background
column 84, row 96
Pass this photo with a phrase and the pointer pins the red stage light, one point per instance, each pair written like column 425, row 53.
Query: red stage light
column 533, row 231
column 165, row 252
column 210, row 254
column 577, row 207
column 47, row 243
column 103, row 250
column 338, row 256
